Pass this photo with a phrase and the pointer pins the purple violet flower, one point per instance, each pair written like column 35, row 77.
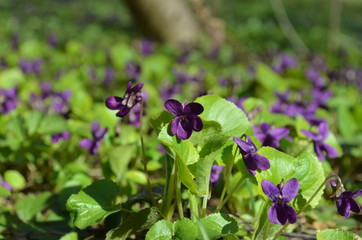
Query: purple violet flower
column 59, row 136
column 186, row 118
column 344, row 201
column 28, row 66
column 93, row 144
column 269, row 136
column 252, row 160
column 280, row 212
column 8, row 100
column 132, row 96
column 318, row 142
column 215, row 174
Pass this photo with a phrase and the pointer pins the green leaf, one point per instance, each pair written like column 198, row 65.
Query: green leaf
column 135, row 222
column 162, row 230
column 4, row 191
column 265, row 230
column 70, row 236
column 52, row 124
column 95, row 202
column 231, row 118
column 268, row 78
column 336, row 234
column 218, row 225
column 185, row 152
column 15, row 179
column 119, row 158
column 11, row 77
column 306, row 168
column 161, row 120
column 185, row 229
column 28, row 207
column 33, row 120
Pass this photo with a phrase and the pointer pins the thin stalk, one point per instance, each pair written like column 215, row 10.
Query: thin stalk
column 144, row 161
column 237, row 185
column 227, row 181
column 169, row 188
column 287, row 27
column 204, row 206
column 306, row 205
column 193, row 207
column 178, row 192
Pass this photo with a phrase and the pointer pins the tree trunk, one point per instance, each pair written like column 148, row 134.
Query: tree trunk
column 169, row 21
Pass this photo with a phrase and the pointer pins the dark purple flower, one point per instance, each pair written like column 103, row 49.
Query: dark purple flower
column 133, row 70
column 344, row 199
column 132, row 96
column 93, row 144
column 280, row 212
column 59, row 136
column 6, row 185
column 145, row 47
column 269, row 136
column 252, row 160
column 215, row 173
column 318, row 142
column 320, row 97
column 186, row 118
column 8, row 100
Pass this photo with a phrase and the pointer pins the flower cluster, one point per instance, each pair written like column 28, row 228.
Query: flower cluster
column 51, row 101
column 269, row 136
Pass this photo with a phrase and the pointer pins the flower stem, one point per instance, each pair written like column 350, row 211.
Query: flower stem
column 144, row 161
column 193, row 207
column 178, row 191
column 307, row 203
column 237, row 185
column 227, row 181
column 169, row 188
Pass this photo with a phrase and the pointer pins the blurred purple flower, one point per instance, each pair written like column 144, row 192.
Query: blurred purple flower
column 6, row 185
column 161, row 149
column 315, row 77
column 8, row 100
column 215, row 174
column 60, row 136
column 3, row 63
column 28, row 66
column 92, row 145
column 284, row 62
column 269, row 136
column 146, row 47
column 320, row 97
column 109, row 76
column 168, row 92
column 51, row 101
column 132, row 96
column 187, row 118
column 280, row 212
column 181, row 76
column 252, row 160
column 318, row 142
column 133, row 70
column 53, row 40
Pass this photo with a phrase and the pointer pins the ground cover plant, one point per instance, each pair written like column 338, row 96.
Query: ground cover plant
column 107, row 135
